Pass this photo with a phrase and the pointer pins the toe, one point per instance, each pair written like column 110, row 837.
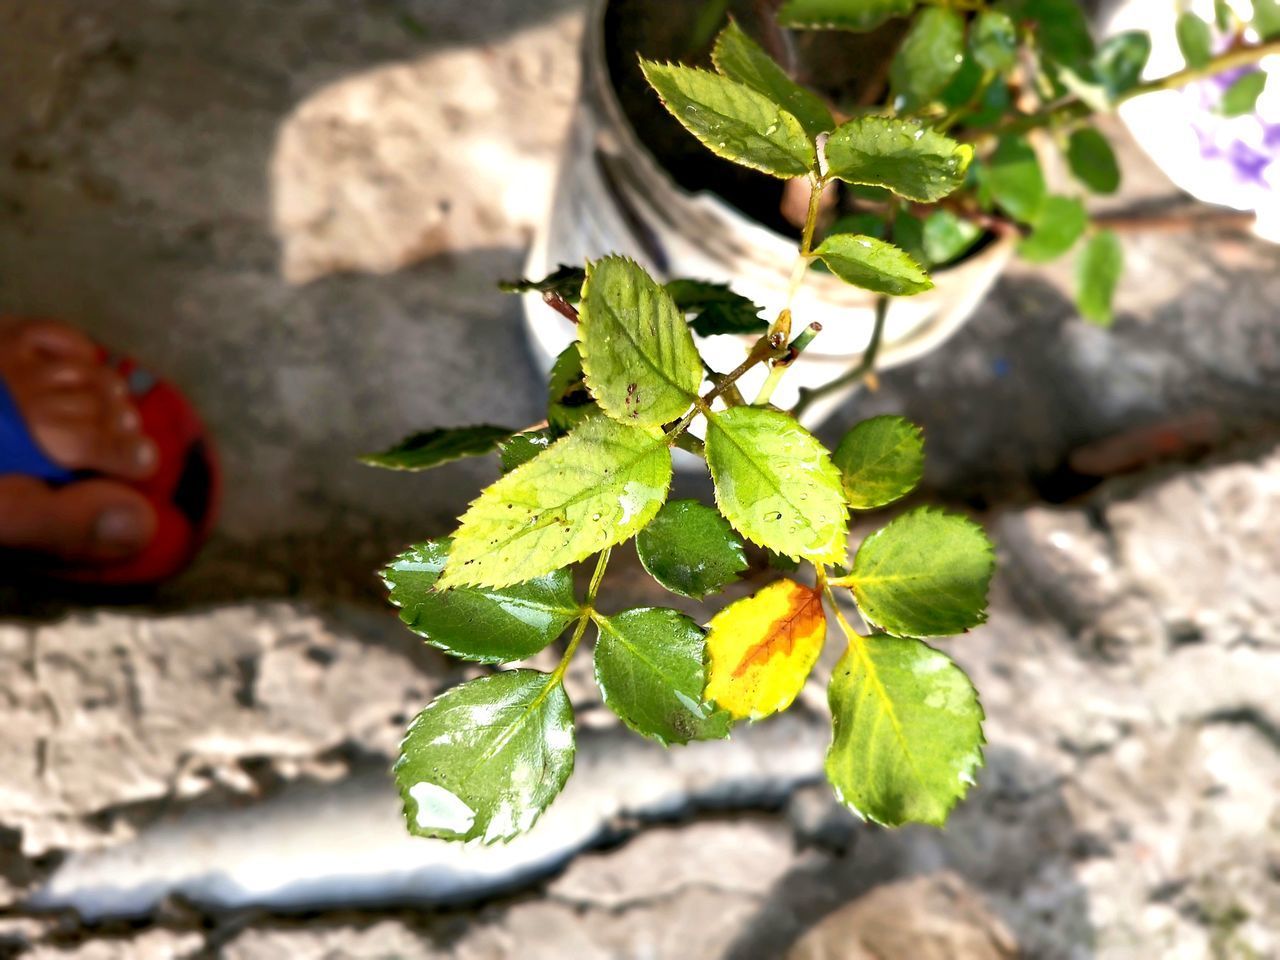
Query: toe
column 51, row 338
column 90, row 521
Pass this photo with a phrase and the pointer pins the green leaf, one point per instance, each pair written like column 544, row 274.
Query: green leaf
column 1062, row 222
column 1195, row 40
column 1266, row 19
column 1225, row 16
column 928, row 57
column 431, row 448
column 715, row 308
column 1015, row 179
column 523, row 447
column 487, row 757
column 569, row 402
column 1093, row 161
column 691, row 550
column 880, row 460
column 1060, row 27
column 908, row 236
column 649, row 666
column 733, row 121
column 1121, row 60
column 637, row 352
column 946, row 237
column 776, row 484
column 596, row 487
column 566, row 282
column 873, row 265
column 905, row 156
column 857, row 15
column 1242, row 96
column 993, row 41
column 1098, row 272
column 907, row 731
column 488, row 626
column 924, row 575
column 740, row 58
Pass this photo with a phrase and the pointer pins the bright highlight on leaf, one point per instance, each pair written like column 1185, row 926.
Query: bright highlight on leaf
column 523, row 447
column 431, row 448
column 857, row 15
column 881, row 460
column 637, row 353
column 905, row 156
column 734, row 121
column 690, row 549
column 740, row 58
column 926, row 574
column 486, row 758
column 908, row 732
column 649, row 667
column 761, row 650
column 485, row 625
column 873, row 265
column 776, row 484
column 594, row 488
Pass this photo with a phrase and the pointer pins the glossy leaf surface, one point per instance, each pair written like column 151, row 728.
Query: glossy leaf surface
column 690, row 549
column 485, row 625
column 881, row 460
column 926, row 574
column 776, row 484
column 733, row 121
column 523, row 447
column 484, row 759
column 904, row 156
column 637, row 353
column 649, row 666
column 431, row 448
column 858, row 15
column 594, row 488
column 873, row 265
column 907, row 732
column 740, row 58
column 760, row 650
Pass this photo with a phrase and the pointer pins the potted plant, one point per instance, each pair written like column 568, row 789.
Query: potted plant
column 948, row 151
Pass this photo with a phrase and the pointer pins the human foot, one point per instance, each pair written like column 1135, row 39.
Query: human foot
column 78, row 412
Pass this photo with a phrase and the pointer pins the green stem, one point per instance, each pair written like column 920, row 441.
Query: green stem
column 865, row 366
column 588, row 607
column 1072, row 110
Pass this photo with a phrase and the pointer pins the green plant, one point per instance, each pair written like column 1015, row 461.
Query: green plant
column 484, row 759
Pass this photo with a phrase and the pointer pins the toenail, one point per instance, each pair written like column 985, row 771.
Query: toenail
column 130, row 421
column 122, row 527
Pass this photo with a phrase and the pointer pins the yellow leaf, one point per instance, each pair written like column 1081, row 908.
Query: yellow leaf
column 760, row 650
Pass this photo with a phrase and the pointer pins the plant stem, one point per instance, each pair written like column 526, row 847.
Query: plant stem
column 865, row 366
column 1074, row 109
column 588, row 608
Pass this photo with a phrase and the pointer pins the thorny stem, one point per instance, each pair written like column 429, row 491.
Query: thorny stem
column 866, row 366
column 783, row 363
column 588, row 608
column 1073, row 109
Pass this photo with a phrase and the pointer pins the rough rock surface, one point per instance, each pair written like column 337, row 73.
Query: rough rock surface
column 171, row 168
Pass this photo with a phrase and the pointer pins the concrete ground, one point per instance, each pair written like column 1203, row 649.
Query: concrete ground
column 298, row 212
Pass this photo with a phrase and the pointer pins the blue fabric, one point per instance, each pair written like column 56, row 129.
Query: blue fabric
column 18, row 451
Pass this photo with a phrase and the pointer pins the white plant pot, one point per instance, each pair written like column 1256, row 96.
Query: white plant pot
column 1232, row 162
column 612, row 196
